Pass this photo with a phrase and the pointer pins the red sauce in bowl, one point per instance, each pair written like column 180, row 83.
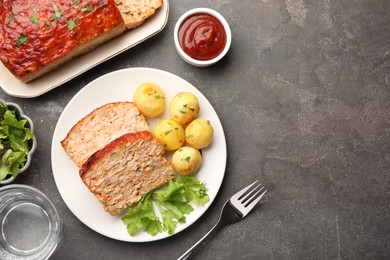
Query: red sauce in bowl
column 202, row 36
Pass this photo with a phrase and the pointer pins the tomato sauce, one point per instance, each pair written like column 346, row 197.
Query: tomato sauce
column 202, row 36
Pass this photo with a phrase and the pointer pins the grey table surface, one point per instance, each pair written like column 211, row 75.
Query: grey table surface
column 304, row 99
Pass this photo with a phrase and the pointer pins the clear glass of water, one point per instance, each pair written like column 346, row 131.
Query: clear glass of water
column 30, row 226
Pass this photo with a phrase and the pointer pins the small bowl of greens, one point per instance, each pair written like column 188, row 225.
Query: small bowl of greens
column 17, row 141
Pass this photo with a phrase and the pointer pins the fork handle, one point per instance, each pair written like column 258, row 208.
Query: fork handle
column 212, row 231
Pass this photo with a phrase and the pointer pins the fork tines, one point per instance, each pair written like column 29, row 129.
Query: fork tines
column 249, row 196
column 252, row 194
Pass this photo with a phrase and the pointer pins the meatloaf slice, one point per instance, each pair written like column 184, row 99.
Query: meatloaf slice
column 100, row 127
column 127, row 168
column 135, row 12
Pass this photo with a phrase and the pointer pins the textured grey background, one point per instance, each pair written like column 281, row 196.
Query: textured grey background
column 303, row 96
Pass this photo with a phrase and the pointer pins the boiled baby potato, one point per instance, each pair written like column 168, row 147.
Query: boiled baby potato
column 199, row 133
column 170, row 133
column 184, row 107
column 149, row 99
column 186, row 160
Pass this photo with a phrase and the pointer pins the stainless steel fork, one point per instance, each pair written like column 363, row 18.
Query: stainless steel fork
column 235, row 209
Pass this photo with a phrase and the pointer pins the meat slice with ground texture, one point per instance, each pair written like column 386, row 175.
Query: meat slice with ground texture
column 125, row 170
column 103, row 125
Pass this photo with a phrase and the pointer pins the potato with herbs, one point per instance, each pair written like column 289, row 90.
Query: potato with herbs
column 199, row 133
column 149, row 99
column 186, row 160
column 184, row 107
column 170, row 133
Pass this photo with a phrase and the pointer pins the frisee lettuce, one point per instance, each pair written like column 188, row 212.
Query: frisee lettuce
column 173, row 203
column 14, row 137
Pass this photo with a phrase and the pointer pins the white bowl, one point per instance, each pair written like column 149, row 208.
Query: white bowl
column 30, row 226
column 185, row 56
column 32, row 142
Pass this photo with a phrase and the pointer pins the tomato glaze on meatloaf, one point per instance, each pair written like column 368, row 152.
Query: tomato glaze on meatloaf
column 36, row 36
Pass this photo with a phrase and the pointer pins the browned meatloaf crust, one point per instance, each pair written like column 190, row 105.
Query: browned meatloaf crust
column 37, row 36
column 125, row 170
column 100, row 127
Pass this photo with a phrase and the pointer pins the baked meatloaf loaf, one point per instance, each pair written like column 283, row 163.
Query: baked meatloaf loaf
column 125, row 170
column 37, row 36
column 100, row 127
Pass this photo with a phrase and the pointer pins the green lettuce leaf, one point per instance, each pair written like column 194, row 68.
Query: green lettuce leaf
column 194, row 190
column 14, row 147
column 142, row 217
column 173, row 203
column 16, row 131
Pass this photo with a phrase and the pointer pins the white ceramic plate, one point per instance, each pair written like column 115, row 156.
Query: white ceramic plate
column 120, row 86
column 14, row 87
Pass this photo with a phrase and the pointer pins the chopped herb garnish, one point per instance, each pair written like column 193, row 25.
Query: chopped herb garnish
column 86, row 9
column 10, row 18
column 34, row 18
column 48, row 23
column 75, row 4
column 188, row 158
column 183, row 112
column 190, row 108
column 57, row 14
column 70, row 24
column 167, row 132
column 22, row 39
column 155, row 95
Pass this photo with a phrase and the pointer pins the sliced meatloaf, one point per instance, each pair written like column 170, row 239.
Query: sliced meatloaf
column 100, row 127
column 125, row 170
column 135, row 12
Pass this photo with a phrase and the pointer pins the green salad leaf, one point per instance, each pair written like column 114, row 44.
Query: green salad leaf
column 143, row 217
column 172, row 202
column 14, row 137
